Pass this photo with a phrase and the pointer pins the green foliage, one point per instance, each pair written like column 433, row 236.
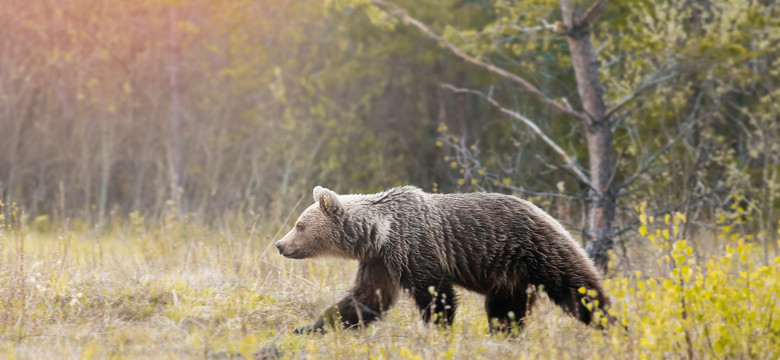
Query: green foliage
column 724, row 306
column 272, row 98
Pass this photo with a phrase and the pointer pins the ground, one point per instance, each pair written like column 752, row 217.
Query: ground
column 185, row 291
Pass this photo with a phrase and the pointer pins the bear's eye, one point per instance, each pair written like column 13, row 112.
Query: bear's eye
column 299, row 227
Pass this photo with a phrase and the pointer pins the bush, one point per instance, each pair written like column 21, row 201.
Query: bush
column 725, row 307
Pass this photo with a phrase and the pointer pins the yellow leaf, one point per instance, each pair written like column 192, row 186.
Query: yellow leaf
column 686, row 270
column 682, row 217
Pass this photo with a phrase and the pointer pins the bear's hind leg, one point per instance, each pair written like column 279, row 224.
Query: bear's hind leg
column 507, row 311
column 570, row 301
column 437, row 303
column 585, row 314
column 596, row 303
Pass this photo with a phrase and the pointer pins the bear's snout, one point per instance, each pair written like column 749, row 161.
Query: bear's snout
column 288, row 250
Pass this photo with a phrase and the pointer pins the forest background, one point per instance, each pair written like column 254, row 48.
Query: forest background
column 202, row 124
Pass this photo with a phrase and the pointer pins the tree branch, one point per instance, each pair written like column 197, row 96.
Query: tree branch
column 526, row 30
column 492, row 68
column 566, row 158
column 642, row 86
column 652, row 158
column 592, row 12
column 650, row 161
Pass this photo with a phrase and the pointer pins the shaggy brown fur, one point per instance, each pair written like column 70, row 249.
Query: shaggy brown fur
column 496, row 245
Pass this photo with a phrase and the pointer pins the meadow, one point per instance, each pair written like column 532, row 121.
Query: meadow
column 180, row 290
column 151, row 151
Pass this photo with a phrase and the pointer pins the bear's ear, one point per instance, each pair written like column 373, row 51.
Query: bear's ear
column 329, row 201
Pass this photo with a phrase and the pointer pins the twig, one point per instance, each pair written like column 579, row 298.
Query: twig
column 652, row 158
column 492, row 68
column 527, row 30
column 626, row 99
column 650, row 161
column 523, row 190
column 566, row 158
column 592, row 12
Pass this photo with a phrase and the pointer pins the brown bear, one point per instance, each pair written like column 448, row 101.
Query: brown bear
column 494, row 244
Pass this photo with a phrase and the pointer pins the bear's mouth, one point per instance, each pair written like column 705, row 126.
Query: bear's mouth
column 295, row 254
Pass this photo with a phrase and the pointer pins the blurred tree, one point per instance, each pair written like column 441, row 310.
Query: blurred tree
column 235, row 107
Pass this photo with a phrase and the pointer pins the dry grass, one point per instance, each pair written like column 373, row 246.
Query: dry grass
column 195, row 293
column 183, row 291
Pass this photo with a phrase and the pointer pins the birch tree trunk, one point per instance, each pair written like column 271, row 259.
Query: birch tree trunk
column 174, row 146
column 598, row 134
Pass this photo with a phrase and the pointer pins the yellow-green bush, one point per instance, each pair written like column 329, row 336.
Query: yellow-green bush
column 727, row 306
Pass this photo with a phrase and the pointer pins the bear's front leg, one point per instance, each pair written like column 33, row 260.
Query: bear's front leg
column 374, row 292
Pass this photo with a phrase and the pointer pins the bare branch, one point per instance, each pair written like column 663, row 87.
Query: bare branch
column 652, row 158
column 592, row 12
column 650, row 161
column 524, row 190
column 526, row 30
column 566, row 158
column 492, row 68
column 642, row 87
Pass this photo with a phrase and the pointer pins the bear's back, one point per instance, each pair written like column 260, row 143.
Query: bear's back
column 488, row 239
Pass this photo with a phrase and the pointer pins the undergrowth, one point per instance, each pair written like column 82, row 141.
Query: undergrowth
column 179, row 290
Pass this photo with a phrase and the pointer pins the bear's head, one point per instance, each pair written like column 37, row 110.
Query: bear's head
column 319, row 230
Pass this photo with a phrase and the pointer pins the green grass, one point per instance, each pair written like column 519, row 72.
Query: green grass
column 183, row 291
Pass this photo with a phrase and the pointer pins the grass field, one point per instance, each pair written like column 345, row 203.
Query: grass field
column 184, row 291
